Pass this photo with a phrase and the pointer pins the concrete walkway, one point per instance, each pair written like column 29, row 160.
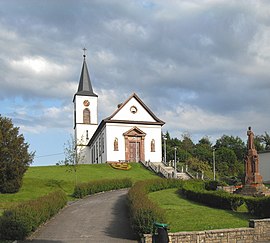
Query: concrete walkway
column 98, row 218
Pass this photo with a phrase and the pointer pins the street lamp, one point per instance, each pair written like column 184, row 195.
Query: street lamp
column 175, row 171
column 165, row 156
column 214, row 164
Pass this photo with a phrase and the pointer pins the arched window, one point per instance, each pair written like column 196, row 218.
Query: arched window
column 115, row 144
column 86, row 116
column 153, row 145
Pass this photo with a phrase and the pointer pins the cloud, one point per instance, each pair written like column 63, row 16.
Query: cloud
column 200, row 65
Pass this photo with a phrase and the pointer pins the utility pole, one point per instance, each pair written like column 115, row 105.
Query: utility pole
column 214, row 164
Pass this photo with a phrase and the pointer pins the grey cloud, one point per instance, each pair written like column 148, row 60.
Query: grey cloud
column 209, row 55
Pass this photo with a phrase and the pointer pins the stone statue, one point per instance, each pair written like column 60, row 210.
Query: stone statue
column 250, row 139
column 253, row 185
column 252, row 161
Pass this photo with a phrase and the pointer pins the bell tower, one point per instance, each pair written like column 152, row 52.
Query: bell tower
column 85, row 113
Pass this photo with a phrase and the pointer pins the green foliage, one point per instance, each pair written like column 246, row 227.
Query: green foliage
column 195, row 164
column 258, row 206
column 226, row 162
column 83, row 189
column 211, row 185
column 144, row 212
column 234, row 143
column 204, row 153
column 266, row 140
column 217, row 199
column 18, row 222
column 14, row 157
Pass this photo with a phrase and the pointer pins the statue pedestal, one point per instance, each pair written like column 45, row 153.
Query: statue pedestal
column 254, row 190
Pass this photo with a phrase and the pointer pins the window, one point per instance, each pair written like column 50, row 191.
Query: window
column 102, row 142
column 99, row 145
column 94, row 154
column 153, row 145
column 115, row 144
column 97, row 152
column 86, row 116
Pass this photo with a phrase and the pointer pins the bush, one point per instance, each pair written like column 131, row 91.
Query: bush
column 83, row 189
column 217, row 199
column 258, row 206
column 144, row 212
column 211, row 185
column 18, row 222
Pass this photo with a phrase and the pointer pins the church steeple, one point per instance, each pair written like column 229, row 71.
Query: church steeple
column 85, row 112
column 85, row 86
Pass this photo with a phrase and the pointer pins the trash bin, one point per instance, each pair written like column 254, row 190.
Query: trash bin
column 160, row 234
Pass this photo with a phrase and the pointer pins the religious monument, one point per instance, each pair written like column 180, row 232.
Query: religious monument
column 253, row 185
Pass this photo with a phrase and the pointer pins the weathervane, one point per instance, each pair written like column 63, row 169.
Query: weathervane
column 84, row 51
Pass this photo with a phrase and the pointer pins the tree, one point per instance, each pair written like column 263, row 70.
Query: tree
column 234, row 143
column 226, row 162
column 266, row 140
column 73, row 155
column 186, row 143
column 203, row 150
column 259, row 144
column 204, row 153
column 14, row 157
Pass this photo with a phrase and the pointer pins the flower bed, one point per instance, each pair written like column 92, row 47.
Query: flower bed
column 120, row 166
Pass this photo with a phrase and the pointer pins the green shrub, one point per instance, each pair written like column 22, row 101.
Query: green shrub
column 212, row 185
column 18, row 222
column 144, row 212
column 83, row 189
column 217, row 199
column 258, row 206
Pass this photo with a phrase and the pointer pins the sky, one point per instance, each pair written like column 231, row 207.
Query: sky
column 202, row 66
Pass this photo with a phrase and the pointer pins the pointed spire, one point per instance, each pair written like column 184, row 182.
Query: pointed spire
column 85, row 86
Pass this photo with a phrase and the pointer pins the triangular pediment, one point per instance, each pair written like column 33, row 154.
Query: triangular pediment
column 133, row 109
column 135, row 131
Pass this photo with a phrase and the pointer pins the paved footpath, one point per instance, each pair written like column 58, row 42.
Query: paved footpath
column 99, row 218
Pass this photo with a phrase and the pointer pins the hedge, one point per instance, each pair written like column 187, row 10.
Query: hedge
column 18, row 222
column 144, row 212
column 258, row 206
column 83, row 189
column 218, row 199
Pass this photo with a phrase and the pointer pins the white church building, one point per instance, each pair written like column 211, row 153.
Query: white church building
column 132, row 133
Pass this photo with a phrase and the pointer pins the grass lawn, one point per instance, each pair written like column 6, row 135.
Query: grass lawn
column 184, row 215
column 39, row 181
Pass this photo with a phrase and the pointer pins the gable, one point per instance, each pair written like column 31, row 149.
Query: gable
column 133, row 110
column 135, row 131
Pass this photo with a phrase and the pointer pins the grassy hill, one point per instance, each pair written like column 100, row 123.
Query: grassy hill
column 39, row 181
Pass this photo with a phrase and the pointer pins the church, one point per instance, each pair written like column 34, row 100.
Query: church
column 131, row 134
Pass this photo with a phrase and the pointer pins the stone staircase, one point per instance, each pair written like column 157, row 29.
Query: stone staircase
column 166, row 171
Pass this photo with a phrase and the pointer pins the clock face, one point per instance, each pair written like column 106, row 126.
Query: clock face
column 86, row 103
column 133, row 109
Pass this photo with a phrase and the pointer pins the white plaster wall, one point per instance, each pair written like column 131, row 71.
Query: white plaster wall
column 114, row 130
column 264, row 166
column 84, row 154
column 140, row 115
column 102, row 156
column 80, row 127
column 79, row 99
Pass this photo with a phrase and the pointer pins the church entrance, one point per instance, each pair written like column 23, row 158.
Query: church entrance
column 134, row 145
column 134, row 148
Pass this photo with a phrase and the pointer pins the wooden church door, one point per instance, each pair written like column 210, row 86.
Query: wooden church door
column 134, row 148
